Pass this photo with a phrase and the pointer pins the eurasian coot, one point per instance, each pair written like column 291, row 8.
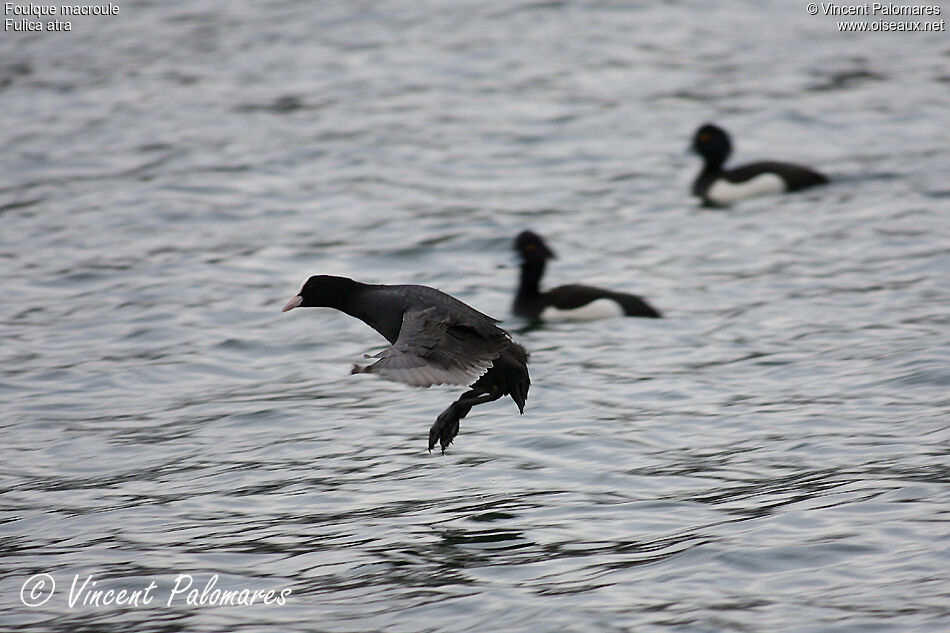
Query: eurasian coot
column 435, row 339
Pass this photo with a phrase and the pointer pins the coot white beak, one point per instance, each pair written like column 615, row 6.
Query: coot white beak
column 294, row 302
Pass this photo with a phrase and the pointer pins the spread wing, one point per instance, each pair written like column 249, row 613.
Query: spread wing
column 433, row 349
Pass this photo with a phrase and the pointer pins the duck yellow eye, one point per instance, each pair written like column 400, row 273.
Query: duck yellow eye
column 704, row 137
column 529, row 247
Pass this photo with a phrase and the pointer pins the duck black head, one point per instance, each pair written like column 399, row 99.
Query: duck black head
column 712, row 143
column 531, row 246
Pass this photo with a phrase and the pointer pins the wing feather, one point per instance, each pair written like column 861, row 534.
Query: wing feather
column 434, row 349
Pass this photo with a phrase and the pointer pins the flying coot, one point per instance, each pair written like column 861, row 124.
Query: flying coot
column 720, row 187
column 566, row 302
column 436, row 339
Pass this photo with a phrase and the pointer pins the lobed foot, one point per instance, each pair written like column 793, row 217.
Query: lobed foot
column 446, row 427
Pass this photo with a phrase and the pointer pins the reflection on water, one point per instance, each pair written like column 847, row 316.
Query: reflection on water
column 771, row 456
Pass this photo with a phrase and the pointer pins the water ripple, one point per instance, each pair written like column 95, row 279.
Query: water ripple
column 772, row 456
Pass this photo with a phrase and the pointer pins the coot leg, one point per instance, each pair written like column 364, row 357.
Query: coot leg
column 446, row 426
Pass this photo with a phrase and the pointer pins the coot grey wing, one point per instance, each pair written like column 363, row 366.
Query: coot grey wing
column 434, row 349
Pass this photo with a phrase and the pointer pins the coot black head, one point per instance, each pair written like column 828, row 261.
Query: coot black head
column 322, row 291
column 529, row 245
column 712, row 143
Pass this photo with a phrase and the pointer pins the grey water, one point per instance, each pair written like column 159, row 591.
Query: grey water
column 774, row 455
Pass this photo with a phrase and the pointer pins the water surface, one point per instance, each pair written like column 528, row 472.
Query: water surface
column 773, row 456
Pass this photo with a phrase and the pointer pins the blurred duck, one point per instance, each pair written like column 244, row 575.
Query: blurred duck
column 566, row 302
column 718, row 187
